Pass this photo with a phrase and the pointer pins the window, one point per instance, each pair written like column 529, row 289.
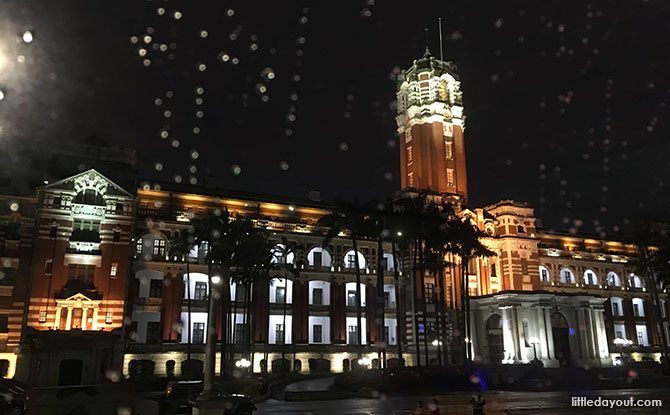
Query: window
column 450, row 177
column 640, row 338
column 80, row 272
column 448, row 150
column 613, row 280
column 408, row 135
column 119, row 208
column 409, row 154
column 662, row 306
column 48, row 266
column 615, row 309
column 4, row 320
column 493, row 271
column 155, row 288
column 153, row 332
column 317, row 333
column 86, row 230
column 317, row 296
column 387, row 331
column 566, row 276
column 43, row 316
column 619, row 334
column 638, row 307
column 239, row 332
column 544, row 274
column 280, row 295
column 431, row 329
column 619, row 331
column 351, row 261
column 200, row 291
column 429, row 292
column 520, row 229
column 279, row 334
column 159, row 247
column 387, row 299
column 524, row 266
column 448, row 130
column 114, row 269
column 117, row 236
column 410, row 179
column 138, row 246
column 53, row 231
column 198, row 334
column 108, row 317
column 353, row 335
column 318, row 259
column 635, row 281
column 351, row 298
column 589, row 278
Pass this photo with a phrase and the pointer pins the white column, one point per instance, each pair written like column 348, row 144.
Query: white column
column 518, row 333
column 84, row 318
column 68, row 322
column 57, row 321
column 508, row 337
column 550, row 333
column 94, row 325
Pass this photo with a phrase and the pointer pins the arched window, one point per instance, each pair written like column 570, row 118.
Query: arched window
column 281, row 255
column 281, row 290
column 634, row 281
column 319, row 293
column 350, row 260
column 89, row 197
column 567, row 276
column 388, row 262
column 318, row 257
column 590, row 277
column 638, row 307
column 351, row 294
column 613, row 279
column 544, row 274
column 152, row 244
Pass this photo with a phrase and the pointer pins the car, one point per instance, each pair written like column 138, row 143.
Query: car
column 180, row 396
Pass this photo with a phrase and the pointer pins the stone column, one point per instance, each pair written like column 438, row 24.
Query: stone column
column 508, row 337
column 519, row 338
column 84, row 318
column 57, row 321
column 542, row 353
column 68, row 322
column 94, row 325
column 550, row 334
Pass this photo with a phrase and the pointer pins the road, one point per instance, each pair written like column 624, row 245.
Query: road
column 498, row 402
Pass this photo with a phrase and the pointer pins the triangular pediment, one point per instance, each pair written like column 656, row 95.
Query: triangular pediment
column 89, row 179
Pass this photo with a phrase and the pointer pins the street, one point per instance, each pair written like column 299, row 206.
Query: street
column 497, row 402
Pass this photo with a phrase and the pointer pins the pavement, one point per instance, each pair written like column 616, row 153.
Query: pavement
column 458, row 403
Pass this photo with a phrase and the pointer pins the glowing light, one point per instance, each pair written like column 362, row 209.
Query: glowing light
column 216, row 280
column 2, row 95
column 291, row 208
column 27, row 36
column 243, row 363
column 399, row 233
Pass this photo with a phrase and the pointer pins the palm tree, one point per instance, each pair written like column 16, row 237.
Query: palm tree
column 348, row 218
column 465, row 242
column 281, row 268
column 652, row 263
column 181, row 248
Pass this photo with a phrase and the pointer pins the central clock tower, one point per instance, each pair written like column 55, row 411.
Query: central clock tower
column 430, row 128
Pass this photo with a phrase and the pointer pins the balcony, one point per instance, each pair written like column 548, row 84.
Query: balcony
column 88, row 210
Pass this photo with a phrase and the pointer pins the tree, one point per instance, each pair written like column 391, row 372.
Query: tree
column 464, row 241
column 181, row 248
column 652, row 262
column 348, row 218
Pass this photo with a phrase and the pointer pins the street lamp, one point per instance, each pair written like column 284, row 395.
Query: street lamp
column 216, row 280
column 437, row 342
column 243, row 363
column 534, row 341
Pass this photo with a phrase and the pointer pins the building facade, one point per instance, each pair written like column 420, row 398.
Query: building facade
column 90, row 283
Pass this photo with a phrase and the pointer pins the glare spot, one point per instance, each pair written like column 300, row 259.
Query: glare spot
column 134, row 39
column 160, row 11
column 202, row 67
column 194, row 154
column 203, row 34
column 177, row 178
column 177, row 15
column 283, row 165
column 27, row 36
column 236, row 169
column 158, row 166
column 147, row 39
column 175, row 143
column 230, row 12
column 14, row 206
column 343, row 146
column 193, row 180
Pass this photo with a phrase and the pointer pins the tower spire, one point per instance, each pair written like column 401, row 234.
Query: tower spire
column 439, row 24
column 426, row 53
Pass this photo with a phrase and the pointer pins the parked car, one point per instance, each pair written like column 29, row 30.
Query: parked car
column 13, row 397
column 180, row 397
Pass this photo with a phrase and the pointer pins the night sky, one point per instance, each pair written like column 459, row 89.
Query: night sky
column 566, row 102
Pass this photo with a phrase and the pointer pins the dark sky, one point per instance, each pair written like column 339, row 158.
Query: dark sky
column 566, row 101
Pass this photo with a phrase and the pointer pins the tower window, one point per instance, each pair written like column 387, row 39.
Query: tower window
column 108, row 317
column 450, row 177
column 410, row 179
column 48, row 266
column 408, row 135
column 449, row 150
column 409, row 154
column 114, row 269
column 43, row 316
column 53, row 231
column 448, row 130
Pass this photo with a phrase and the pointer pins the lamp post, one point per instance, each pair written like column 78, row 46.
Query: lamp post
column 208, row 381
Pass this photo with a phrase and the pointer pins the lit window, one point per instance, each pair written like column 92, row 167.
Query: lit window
column 43, row 316
column 159, row 247
column 410, row 179
column 114, row 269
column 138, row 246
column 544, row 275
column 408, row 135
column 450, row 177
column 108, row 318
column 449, row 150
column 409, row 154
column 448, row 130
